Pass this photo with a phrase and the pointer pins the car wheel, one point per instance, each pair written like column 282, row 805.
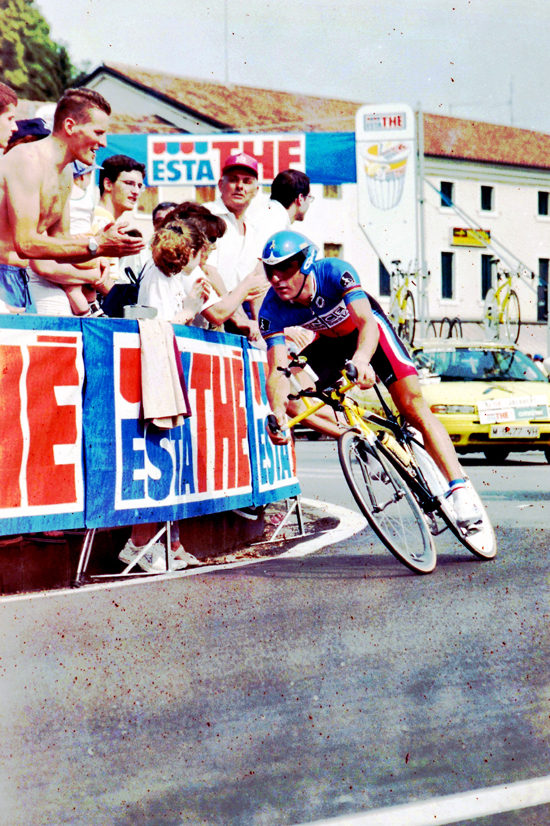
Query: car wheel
column 497, row 455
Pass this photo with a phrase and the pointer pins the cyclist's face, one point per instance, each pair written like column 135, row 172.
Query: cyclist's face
column 287, row 283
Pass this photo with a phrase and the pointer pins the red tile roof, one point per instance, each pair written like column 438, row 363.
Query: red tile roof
column 472, row 140
column 245, row 108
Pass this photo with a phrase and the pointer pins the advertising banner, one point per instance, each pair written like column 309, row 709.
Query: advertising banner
column 217, row 460
column 197, row 160
column 385, row 138
column 41, row 469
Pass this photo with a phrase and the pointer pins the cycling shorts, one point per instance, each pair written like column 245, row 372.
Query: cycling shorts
column 391, row 361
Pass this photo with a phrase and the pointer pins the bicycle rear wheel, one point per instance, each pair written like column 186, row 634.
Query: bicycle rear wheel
column 407, row 326
column 490, row 315
column 483, row 543
column 389, row 506
column 512, row 319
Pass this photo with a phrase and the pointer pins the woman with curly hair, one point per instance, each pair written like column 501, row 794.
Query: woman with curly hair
column 174, row 282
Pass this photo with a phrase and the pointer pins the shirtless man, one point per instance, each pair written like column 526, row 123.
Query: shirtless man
column 35, row 185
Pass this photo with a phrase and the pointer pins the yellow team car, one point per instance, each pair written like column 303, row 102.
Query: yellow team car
column 490, row 396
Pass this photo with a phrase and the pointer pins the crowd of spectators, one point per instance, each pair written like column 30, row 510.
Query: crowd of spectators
column 61, row 252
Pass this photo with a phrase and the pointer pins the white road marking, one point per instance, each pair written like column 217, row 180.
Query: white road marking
column 452, row 808
column 351, row 523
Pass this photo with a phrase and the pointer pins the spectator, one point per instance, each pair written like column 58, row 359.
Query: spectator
column 160, row 212
column 237, row 253
column 174, row 282
column 8, row 102
column 121, row 181
column 214, row 228
column 40, row 174
column 28, row 131
column 289, row 202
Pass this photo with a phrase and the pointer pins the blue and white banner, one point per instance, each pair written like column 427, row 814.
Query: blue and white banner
column 70, row 460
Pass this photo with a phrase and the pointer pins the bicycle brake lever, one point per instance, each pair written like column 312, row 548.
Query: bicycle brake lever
column 273, row 424
column 351, row 370
column 285, row 370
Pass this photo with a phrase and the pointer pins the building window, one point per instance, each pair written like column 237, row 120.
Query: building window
column 205, row 194
column 332, row 191
column 543, row 203
column 384, row 287
column 486, row 274
column 148, row 200
column 542, row 290
column 487, row 198
column 333, row 250
column 446, row 194
column 447, row 274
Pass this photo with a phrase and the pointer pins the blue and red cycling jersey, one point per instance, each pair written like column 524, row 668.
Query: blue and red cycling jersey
column 336, row 285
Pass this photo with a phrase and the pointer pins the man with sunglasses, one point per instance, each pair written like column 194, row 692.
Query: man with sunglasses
column 327, row 298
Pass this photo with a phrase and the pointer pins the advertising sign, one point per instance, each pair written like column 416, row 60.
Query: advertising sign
column 217, row 460
column 513, row 409
column 465, row 237
column 197, row 160
column 41, row 469
column 385, row 138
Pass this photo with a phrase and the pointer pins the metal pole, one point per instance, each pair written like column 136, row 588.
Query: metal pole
column 226, row 44
column 423, row 304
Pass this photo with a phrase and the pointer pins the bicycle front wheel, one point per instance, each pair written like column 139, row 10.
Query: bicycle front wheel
column 482, row 543
column 490, row 315
column 389, row 506
column 407, row 325
column 512, row 320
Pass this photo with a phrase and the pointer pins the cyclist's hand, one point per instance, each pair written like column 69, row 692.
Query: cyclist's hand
column 274, row 427
column 366, row 377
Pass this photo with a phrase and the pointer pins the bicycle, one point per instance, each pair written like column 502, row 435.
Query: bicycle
column 394, row 481
column 501, row 309
column 402, row 312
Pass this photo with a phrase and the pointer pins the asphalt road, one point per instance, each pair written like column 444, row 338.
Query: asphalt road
column 290, row 690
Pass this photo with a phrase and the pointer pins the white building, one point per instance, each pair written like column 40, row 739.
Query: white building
column 498, row 178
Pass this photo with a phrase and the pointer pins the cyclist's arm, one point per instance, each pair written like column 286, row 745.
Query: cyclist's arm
column 362, row 316
column 278, row 388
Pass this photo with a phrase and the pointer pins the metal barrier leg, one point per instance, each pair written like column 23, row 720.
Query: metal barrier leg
column 295, row 506
column 84, row 558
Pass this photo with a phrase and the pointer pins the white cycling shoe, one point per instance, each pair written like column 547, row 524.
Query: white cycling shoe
column 468, row 515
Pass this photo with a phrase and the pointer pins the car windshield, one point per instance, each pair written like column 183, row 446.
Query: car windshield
column 478, row 364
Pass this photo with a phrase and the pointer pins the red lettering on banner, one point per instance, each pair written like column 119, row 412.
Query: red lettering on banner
column 226, row 148
column 288, row 154
column 130, row 374
column 224, row 423
column 266, row 158
column 256, row 382
column 243, row 459
column 11, row 443
column 201, row 381
column 42, row 339
column 50, row 424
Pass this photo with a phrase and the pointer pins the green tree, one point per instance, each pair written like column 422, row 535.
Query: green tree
column 30, row 62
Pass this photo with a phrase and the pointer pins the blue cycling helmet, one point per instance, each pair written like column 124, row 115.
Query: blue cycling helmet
column 286, row 244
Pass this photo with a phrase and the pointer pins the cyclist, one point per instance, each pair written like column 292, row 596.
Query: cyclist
column 326, row 296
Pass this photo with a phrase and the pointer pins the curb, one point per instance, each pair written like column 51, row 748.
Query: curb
column 350, row 523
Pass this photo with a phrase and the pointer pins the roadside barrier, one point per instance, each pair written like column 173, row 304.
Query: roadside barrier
column 74, row 452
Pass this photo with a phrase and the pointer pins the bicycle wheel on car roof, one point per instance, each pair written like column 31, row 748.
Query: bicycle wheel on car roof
column 491, row 315
column 481, row 543
column 512, row 319
column 407, row 325
column 389, row 506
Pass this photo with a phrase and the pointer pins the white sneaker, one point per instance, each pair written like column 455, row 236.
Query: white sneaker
column 187, row 558
column 153, row 560
column 468, row 516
